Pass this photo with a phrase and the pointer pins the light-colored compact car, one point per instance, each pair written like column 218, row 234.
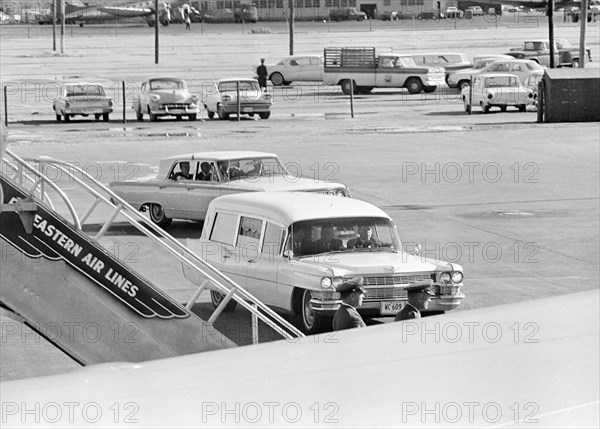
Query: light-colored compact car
column 453, row 12
column 462, row 77
column 253, row 237
column 165, row 96
column 186, row 184
column 82, row 99
column 497, row 90
column 450, row 61
column 221, row 98
column 531, row 82
column 475, row 10
column 521, row 68
column 298, row 68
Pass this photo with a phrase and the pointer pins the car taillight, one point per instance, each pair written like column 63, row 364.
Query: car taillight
column 490, row 96
column 530, row 95
column 67, row 104
column 110, row 103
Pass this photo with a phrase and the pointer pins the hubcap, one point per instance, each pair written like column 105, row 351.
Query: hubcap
column 309, row 314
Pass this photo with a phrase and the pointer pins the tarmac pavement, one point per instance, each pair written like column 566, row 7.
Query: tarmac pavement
column 513, row 201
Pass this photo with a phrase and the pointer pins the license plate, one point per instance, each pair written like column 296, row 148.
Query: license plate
column 248, row 109
column 391, row 307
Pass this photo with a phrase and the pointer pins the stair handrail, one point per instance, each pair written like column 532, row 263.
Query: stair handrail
column 135, row 218
column 44, row 195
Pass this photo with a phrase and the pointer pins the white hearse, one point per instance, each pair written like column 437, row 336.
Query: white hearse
column 291, row 250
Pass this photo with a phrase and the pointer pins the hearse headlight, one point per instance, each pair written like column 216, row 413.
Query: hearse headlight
column 326, row 282
column 445, row 277
column 457, row 277
column 337, row 281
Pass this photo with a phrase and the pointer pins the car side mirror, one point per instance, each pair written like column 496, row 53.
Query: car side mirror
column 288, row 253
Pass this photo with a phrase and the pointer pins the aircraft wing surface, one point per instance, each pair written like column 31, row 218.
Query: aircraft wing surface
column 528, row 364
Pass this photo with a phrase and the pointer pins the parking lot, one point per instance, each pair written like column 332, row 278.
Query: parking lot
column 513, row 201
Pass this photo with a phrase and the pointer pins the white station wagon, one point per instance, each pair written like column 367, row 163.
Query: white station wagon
column 292, row 249
column 186, row 184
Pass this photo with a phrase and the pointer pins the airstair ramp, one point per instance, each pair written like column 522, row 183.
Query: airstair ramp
column 73, row 289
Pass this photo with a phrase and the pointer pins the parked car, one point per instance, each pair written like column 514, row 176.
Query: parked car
column 461, row 78
column 251, row 238
column 531, row 82
column 390, row 15
column 165, row 96
column 521, row 68
column 82, row 99
column 221, row 98
column 453, row 12
column 178, row 194
column 475, row 10
column 297, row 68
column 450, row 61
column 497, row 90
column 346, row 14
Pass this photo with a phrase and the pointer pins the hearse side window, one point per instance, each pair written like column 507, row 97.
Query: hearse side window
column 224, row 228
column 273, row 242
column 249, row 232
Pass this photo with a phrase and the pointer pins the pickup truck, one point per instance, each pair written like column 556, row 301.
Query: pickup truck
column 565, row 54
column 347, row 14
column 360, row 69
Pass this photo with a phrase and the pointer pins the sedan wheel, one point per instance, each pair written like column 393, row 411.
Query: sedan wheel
column 522, row 108
column 347, row 87
column 97, row 116
column 58, row 117
column 139, row 115
column 277, row 79
column 222, row 113
column 153, row 117
column 105, row 117
column 217, row 297
column 503, row 108
column 192, row 117
column 264, row 115
column 466, row 103
column 485, row 108
column 157, row 215
column 575, row 63
column 463, row 84
column 67, row 117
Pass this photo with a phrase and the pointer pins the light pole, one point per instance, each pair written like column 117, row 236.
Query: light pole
column 291, row 25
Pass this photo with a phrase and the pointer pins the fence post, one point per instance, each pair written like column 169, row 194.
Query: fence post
column 5, row 107
column 124, row 102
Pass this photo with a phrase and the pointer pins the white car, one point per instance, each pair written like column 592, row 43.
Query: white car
column 461, row 78
column 298, row 68
column 476, row 10
column 521, row 68
column 252, row 238
column 497, row 90
column 187, row 183
column 453, row 12
column 222, row 99
column 82, row 99
column 165, row 96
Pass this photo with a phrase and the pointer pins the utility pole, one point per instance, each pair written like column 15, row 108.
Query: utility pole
column 62, row 26
column 291, row 26
column 551, row 31
column 156, row 24
column 54, row 25
column 582, row 30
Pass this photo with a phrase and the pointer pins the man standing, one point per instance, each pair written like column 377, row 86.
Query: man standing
column 352, row 293
column 262, row 73
column 419, row 297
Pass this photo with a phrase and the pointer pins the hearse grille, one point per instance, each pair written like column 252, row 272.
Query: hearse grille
column 382, row 287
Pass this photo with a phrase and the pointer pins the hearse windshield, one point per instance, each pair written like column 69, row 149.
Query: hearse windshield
column 347, row 234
